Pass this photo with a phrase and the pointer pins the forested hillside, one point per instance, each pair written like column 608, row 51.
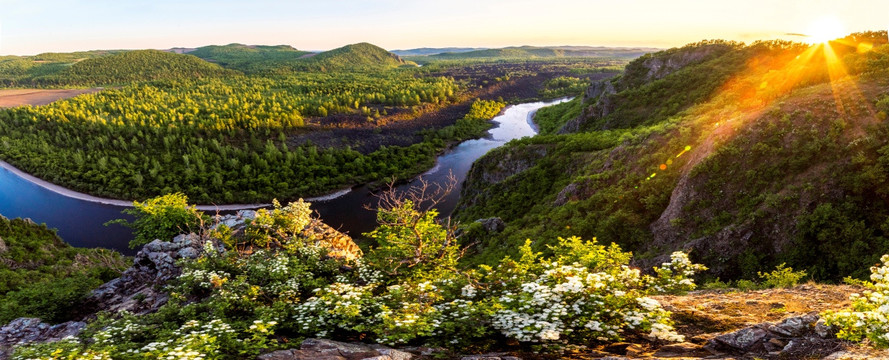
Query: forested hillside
column 103, row 68
column 139, row 65
column 747, row 155
column 42, row 276
column 24, row 71
column 247, row 58
column 195, row 137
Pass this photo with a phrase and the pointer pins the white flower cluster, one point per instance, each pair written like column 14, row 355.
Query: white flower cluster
column 337, row 305
column 367, row 273
column 568, row 298
column 675, row 276
column 468, row 291
column 192, row 341
column 123, row 329
column 204, row 279
column 278, row 267
column 869, row 314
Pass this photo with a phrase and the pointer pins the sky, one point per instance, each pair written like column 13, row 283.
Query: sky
column 30, row 27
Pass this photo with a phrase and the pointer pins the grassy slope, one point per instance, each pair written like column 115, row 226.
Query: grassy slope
column 42, row 276
column 551, row 119
column 786, row 176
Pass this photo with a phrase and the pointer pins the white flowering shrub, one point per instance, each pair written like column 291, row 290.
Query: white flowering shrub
column 868, row 316
column 194, row 340
column 675, row 277
column 588, row 293
column 66, row 349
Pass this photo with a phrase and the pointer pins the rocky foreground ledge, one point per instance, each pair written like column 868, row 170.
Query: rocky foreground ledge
column 717, row 324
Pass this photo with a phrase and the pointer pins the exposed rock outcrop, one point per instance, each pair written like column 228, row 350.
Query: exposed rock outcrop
column 600, row 97
column 136, row 290
column 323, row 235
column 794, row 337
column 492, row 225
column 320, row 349
column 30, row 330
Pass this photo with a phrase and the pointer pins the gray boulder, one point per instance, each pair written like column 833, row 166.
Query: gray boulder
column 334, row 350
column 136, row 290
column 30, row 330
column 492, row 225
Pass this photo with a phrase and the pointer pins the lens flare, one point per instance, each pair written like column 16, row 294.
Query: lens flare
column 825, row 29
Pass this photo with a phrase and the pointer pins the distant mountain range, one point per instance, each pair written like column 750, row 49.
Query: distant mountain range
column 433, row 51
column 108, row 67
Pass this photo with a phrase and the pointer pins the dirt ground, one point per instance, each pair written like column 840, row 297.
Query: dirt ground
column 36, row 97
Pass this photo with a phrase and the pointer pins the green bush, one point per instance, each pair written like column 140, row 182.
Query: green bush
column 278, row 225
column 866, row 317
column 163, row 218
column 52, row 301
column 781, row 277
column 747, row 285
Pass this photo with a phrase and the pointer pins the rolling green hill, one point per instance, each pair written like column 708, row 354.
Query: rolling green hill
column 356, row 55
column 23, row 71
column 350, row 57
column 140, row 65
column 248, row 58
column 97, row 68
column 283, row 60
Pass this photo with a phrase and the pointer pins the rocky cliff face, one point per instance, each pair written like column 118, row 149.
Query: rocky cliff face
column 495, row 168
column 602, row 97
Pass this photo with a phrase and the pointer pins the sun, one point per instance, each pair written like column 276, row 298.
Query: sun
column 824, row 29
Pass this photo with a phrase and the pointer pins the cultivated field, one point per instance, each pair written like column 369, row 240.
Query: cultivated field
column 19, row 97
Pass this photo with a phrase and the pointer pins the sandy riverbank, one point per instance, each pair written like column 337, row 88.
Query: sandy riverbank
column 95, row 199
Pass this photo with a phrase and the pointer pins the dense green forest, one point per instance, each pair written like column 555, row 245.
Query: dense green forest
column 551, row 118
column 103, row 68
column 280, row 60
column 247, row 58
column 42, row 276
column 195, row 137
column 751, row 155
column 119, row 67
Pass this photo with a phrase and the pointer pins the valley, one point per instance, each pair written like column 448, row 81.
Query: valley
column 720, row 199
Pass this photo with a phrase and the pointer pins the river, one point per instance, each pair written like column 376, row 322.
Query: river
column 80, row 219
